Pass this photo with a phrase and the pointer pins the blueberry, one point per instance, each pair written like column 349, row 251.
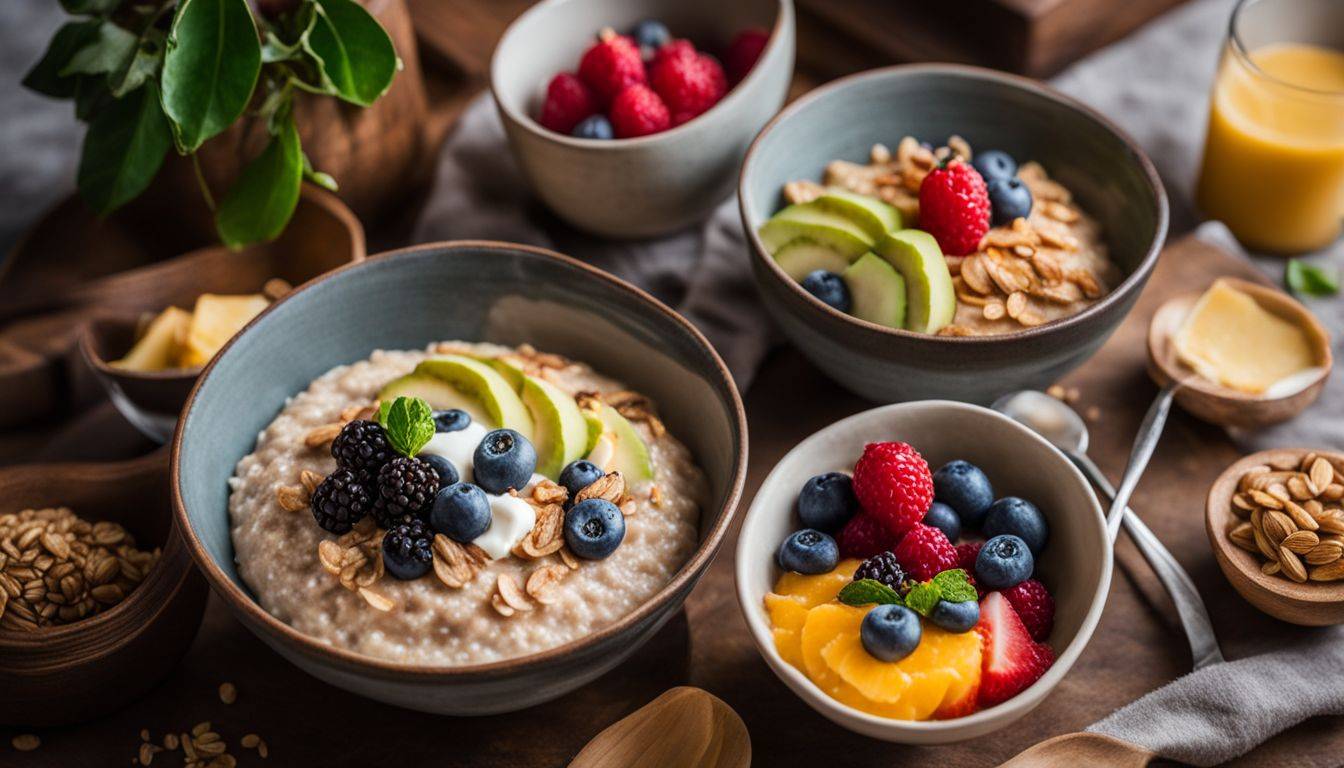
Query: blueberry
column 594, row 528
column 593, row 127
column 829, row 287
column 451, row 420
column 443, row 467
column 651, row 34
column 1019, row 517
column 994, row 164
column 956, row 617
column 503, row 460
column 578, row 475
column 406, row 550
column 963, row 487
column 808, row 552
column 1009, row 199
column 1004, row 561
column 943, row 518
column 827, row 502
column 890, row 632
column 461, row 512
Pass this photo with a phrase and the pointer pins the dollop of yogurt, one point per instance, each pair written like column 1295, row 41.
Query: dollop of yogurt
column 458, row 447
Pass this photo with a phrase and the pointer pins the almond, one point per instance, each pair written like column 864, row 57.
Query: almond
column 1300, row 542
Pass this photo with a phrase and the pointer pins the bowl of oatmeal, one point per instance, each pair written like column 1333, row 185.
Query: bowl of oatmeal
column 482, row 488
column 1039, row 226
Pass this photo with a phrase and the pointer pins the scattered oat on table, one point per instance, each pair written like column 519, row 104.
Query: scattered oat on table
column 26, row 742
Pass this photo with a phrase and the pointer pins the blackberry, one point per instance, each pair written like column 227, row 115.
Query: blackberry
column 407, row 487
column 362, row 447
column 884, row 568
column 406, row 551
column 340, row 501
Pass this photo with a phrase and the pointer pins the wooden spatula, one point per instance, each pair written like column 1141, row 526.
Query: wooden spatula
column 1078, row 749
column 684, row 728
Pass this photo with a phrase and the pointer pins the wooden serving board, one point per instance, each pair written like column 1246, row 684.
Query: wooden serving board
column 1136, row 648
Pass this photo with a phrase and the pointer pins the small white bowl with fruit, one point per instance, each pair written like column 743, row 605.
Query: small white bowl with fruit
column 923, row 573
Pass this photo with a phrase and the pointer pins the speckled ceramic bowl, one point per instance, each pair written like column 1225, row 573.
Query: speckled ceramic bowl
column 1107, row 172
column 477, row 291
column 650, row 185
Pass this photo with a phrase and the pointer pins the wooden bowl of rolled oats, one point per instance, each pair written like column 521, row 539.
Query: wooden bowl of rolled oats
column 1276, row 525
column 98, row 596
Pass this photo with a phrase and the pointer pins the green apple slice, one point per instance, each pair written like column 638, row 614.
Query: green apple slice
column 801, row 256
column 485, row 384
column 560, row 431
column 877, row 291
column 872, row 215
column 511, row 373
column 620, row 448
column 440, row 395
column 812, row 221
column 930, row 299
column 595, row 430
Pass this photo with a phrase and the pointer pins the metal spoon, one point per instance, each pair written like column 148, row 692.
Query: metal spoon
column 1061, row 425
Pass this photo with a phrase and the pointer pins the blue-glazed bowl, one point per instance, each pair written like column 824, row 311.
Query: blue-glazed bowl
column 1109, row 175
column 478, row 291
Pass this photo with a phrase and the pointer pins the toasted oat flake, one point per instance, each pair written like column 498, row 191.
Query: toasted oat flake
column 26, row 742
column 511, row 593
column 228, row 693
column 376, row 600
column 292, row 498
column 323, row 435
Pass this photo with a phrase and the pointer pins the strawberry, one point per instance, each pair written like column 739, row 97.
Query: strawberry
column 746, row 47
column 863, row 537
column 637, row 111
column 611, row 65
column 893, row 484
column 954, row 207
column 1034, row 606
column 689, row 82
column 1011, row 660
column 568, row 101
column 925, row 552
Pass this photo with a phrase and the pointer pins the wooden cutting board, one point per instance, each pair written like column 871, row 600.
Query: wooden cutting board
column 1136, row 648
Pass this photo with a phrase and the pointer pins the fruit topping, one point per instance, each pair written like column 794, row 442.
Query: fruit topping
column 1009, row 199
column 407, row 487
column 966, row 554
column 689, row 82
column 461, row 512
column 931, row 300
column 362, row 447
column 994, row 164
column 594, row 127
column 925, row 551
column 956, row 617
column 638, row 111
column 883, row 568
column 808, row 552
column 893, row 484
column 442, row 467
column 890, row 632
column 406, row 550
column 942, row 517
column 1003, row 562
column 1034, row 606
column 611, row 65
column 340, row 501
column 1019, row 517
column 1012, row 660
column 954, row 207
column 594, row 528
column 966, row 489
column 743, row 52
column 578, row 475
column 827, row 502
column 451, row 420
column 828, row 288
column 877, row 291
column 568, row 102
column 864, row 536
column 650, row 35
column 504, row 459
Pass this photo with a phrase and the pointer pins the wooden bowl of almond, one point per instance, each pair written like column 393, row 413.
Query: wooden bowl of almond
column 1277, row 529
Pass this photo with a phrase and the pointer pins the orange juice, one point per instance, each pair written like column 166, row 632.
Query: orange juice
column 1274, row 157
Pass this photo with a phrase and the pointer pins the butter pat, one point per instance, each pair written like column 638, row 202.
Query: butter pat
column 1229, row 339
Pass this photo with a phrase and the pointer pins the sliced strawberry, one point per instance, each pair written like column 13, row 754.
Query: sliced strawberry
column 1012, row 660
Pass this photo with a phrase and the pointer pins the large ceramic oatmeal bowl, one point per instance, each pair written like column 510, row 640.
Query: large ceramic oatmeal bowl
column 1110, row 179
column 406, row 300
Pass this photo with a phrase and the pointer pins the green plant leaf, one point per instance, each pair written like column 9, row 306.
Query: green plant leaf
column 45, row 77
column 107, row 52
column 409, row 424
column 1311, row 280
column 353, row 51
column 955, row 586
column 123, row 149
column 91, row 96
column 260, row 203
column 922, row 597
column 89, row 7
column 143, row 64
column 210, row 68
column 867, row 592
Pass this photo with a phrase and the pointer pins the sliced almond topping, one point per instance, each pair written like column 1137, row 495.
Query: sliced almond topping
column 292, row 498
column 377, row 601
column 993, row 310
column 511, row 593
column 974, row 274
column 501, row 607
column 310, row 480
column 541, row 583
column 610, row 486
column 571, row 562
column 323, row 435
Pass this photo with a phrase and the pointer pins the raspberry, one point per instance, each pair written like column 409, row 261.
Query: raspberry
column 1034, row 606
column 688, row 82
column 966, row 554
column 611, row 65
column 893, row 484
column 882, row 567
column 925, row 552
column 743, row 52
column 679, row 48
column 863, row 537
column 568, row 102
column 954, row 207
column 638, row 111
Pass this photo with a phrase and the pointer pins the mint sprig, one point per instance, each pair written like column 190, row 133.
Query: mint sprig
column 869, row 592
column 1310, row 279
column 409, row 424
column 951, row 585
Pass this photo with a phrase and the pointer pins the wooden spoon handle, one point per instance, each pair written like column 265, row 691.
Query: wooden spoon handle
column 1079, row 749
column 684, row 728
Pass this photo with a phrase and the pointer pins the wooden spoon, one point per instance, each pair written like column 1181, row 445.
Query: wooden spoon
column 684, row 728
column 1075, row 749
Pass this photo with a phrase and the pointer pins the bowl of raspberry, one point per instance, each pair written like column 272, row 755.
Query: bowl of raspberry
column 944, row 231
column 924, row 572
column 630, row 119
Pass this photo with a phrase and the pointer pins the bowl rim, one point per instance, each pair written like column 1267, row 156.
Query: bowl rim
column 825, row 313
column 247, row 608
column 784, row 14
column 845, row 715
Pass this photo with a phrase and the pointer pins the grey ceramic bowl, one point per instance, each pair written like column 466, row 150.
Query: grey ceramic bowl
column 406, row 299
column 1108, row 174
column 650, row 185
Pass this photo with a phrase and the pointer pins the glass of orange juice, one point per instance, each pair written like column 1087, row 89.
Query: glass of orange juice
column 1273, row 167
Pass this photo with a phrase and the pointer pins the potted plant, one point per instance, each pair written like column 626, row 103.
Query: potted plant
column 225, row 87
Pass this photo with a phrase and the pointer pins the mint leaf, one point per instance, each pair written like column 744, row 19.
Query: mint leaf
column 123, row 149
column 868, row 592
column 210, row 69
column 259, row 204
column 954, row 586
column 45, row 77
column 922, row 597
column 409, row 424
column 1310, row 279
column 354, row 55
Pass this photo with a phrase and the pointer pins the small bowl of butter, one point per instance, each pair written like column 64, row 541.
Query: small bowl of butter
column 1244, row 354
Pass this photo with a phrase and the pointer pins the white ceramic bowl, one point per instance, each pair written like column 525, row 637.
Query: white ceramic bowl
column 1076, row 564
column 650, row 185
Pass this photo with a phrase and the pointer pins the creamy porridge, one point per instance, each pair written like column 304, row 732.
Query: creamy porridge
column 516, row 589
